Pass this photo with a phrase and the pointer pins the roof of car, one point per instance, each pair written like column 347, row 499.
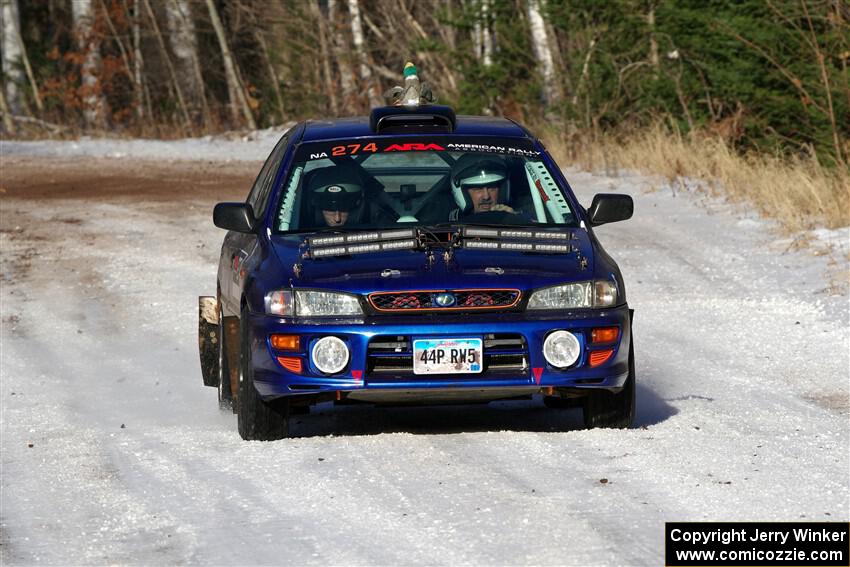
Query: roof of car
column 357, row 127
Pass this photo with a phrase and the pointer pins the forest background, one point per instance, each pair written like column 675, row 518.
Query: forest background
column 751, row 97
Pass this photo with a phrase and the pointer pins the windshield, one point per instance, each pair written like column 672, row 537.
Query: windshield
column 387, row 183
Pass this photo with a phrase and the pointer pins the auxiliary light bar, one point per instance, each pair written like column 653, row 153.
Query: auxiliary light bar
column 362, row 248
column 475, row 232
column 374, row 236
column 521, row 246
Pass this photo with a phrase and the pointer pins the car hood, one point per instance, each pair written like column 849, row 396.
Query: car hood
column 402, row 270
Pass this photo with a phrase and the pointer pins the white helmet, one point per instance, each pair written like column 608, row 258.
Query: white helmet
column 473, row 170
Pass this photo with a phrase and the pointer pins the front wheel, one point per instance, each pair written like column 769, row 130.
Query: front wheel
column 616, row 411
column 258, row 420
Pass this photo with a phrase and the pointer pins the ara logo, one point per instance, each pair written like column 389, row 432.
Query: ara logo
column 445, row 299
column 413, row 147
column 334, row 189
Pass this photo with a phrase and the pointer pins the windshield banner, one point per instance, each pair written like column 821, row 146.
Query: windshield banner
column 358, row 147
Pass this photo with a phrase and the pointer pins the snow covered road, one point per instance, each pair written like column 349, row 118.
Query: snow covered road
column 113, row 451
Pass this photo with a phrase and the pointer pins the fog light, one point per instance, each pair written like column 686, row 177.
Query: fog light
column 330, row 355
column 561, row 349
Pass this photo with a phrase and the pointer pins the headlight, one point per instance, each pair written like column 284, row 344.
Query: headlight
column 598, row 293
column 324, row 303
column 308, row 303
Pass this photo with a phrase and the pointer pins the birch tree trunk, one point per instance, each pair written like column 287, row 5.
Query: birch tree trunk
column 184, row 45
column 540, row 43
column 561, row 75
column 482, row 38
column 487, row 40
column 340, row 49
column 585, row 70
column 653, row 43
column 359, row 49
column 138, row 61
column 82, row 13
column 178, row 91
column 238, row 100
column 327, row 75
column 8, row 123
column 11, row 53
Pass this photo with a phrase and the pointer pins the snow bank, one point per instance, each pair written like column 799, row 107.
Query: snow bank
column 837, row 240
column 254, row 146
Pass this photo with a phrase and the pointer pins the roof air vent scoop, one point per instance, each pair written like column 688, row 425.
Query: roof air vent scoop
column 410, row 109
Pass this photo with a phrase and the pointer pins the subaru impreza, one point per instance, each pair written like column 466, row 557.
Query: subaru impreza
column 415, row 257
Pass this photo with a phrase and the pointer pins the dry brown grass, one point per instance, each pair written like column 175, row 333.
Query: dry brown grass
column 798, row 192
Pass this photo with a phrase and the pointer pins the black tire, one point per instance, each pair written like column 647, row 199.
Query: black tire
column 225, row 396
column 615, row 411
column 258, row 420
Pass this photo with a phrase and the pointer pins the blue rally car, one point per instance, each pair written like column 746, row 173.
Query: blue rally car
column 415, row 257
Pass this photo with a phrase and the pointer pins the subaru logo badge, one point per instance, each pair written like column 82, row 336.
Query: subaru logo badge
column 445, row 299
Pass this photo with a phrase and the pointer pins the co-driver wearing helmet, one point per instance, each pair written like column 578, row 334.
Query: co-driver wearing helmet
column 479, row 185
column 336, row 192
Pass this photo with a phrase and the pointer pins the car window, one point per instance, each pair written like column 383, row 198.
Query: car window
column 259, row 195
column 385, row 183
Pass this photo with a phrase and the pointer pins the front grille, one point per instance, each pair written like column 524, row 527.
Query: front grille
column 389, row 357
column 461, row 300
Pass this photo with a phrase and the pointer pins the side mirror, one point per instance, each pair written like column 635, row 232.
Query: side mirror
column 610, row 207
column 238, row 217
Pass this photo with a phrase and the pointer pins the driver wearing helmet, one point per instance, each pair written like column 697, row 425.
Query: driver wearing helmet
column 479, row 185
column 337, row 195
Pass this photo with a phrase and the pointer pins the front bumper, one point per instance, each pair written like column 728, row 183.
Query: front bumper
column 272, row 380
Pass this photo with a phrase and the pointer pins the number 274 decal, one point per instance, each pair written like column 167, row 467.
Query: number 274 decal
column 351, row 149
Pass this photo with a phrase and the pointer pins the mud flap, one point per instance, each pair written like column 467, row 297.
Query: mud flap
column 208, row 339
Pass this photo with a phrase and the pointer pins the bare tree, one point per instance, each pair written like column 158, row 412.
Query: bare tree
column 340, row 50
column 82, row 13
column 365, row 71
column 260, row 35
column 482, row 35
column 540, row 43
column 175, row 84
column 120, row 43
column 8, row 123
column 142, row 101
column 653, row 42
column 814, row 43
column 238, row 100
column 327, row 74
column 11, row 54
column 184, row 45
column 36, row 95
